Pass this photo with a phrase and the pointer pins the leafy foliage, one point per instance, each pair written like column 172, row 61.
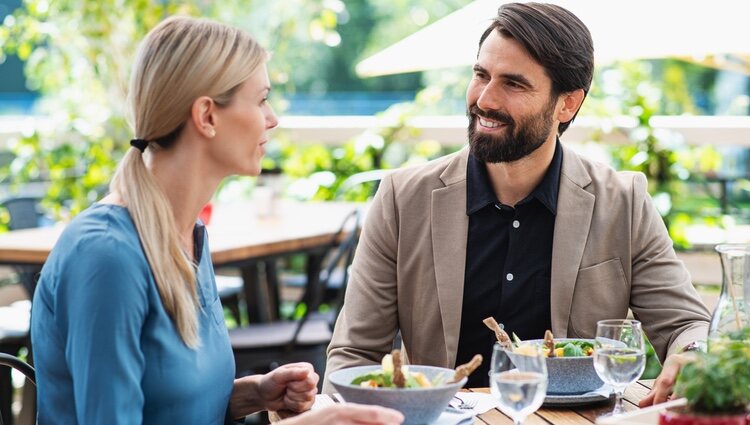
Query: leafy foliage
column 78, row 55
column 718, row 381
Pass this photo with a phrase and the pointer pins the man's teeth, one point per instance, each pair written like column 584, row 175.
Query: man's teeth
column 490, row 124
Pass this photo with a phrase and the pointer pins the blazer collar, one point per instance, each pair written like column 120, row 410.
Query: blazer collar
column 575, row 207
column 450, row 225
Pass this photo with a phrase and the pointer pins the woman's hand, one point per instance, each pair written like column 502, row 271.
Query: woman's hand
column 662, row 389
column 348, row 414
column 289, row 387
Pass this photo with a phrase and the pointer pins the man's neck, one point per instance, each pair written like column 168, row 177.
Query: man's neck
column 514, row 181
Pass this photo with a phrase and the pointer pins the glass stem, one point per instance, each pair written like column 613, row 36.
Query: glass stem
column 618, row 401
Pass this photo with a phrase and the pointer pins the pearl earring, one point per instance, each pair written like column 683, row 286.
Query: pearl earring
column 211, row 131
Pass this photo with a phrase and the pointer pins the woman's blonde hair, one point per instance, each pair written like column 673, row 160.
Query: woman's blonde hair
column 180, row 60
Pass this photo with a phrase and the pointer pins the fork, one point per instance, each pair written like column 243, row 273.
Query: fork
column 465, row 405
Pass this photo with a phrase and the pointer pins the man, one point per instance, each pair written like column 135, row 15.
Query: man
column 517, row 226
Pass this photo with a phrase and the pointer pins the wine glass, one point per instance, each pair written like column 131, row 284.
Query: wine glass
column 518, row 381
column 619, row 355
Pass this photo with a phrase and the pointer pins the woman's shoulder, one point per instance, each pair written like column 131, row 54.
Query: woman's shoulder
column 102, row 231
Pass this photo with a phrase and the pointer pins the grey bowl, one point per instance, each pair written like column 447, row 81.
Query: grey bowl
column 418, row 405
column 571, row 375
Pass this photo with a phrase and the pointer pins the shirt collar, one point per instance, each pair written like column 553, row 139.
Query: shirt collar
column 479, row 192
column 546, row 191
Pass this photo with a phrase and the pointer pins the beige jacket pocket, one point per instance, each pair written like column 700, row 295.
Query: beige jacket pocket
column 601, row 292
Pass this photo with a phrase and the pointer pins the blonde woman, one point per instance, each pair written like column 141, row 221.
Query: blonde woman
column 127, row 325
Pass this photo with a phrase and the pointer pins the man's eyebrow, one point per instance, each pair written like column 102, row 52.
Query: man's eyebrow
column 518, row 78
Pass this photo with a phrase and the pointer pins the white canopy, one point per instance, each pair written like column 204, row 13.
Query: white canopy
column 715, row 32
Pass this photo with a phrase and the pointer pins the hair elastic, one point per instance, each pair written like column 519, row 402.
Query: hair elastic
column 139, row 144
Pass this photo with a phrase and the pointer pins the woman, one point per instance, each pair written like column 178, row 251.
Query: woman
column 127, row 324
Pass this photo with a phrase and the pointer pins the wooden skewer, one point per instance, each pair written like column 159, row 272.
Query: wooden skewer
column 467, row 368
column 549, row 343
column 398, row 376
column 502, row 337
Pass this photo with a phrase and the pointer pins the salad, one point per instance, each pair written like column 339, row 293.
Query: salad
column 384, row 378
column 575, row 348
column 395, row 375
column 570, row 348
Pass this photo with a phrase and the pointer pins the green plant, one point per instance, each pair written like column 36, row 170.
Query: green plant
column 78, row 55
column 717, row 381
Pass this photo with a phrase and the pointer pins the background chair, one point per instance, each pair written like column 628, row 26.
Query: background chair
column 15, row 305
column 259, row 348
column 230, row 290
column 15, row 310
column 25, row 213
column 14, row 362
column 365, row 184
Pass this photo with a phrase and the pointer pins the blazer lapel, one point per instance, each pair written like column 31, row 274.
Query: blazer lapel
column 449, row 229
column 575, row 207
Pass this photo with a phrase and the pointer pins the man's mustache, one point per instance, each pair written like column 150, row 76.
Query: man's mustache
column 491, row 115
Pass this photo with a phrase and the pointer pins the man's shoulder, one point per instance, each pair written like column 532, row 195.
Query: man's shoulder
column 601, row 175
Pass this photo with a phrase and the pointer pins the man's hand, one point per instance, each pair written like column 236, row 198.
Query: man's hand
column 289, row 387
column 662, row 389
column 348, row 414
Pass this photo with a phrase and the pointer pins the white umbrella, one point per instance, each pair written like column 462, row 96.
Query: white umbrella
column 715, row 32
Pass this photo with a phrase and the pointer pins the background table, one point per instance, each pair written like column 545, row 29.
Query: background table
column 237, row 236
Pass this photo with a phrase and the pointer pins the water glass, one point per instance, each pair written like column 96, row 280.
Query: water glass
column 619, row 355
column 518, row 381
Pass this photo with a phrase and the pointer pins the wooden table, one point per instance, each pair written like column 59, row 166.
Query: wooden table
column 584, row 415
column 238, row 237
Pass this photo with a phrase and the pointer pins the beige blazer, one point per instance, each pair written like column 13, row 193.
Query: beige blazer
column 611, row 252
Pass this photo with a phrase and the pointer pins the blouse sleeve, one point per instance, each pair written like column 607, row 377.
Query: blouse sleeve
column 103, row 302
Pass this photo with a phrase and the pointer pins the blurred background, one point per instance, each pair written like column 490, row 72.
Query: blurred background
column 679, row 113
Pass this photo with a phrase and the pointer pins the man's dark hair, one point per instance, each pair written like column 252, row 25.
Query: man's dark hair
column 555, row 38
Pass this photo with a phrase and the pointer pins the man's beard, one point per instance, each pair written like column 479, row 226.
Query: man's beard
column 518, row 139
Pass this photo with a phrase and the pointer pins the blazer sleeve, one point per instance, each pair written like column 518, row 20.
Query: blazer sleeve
column 368, row 321
column 662, row 295
column 103, row 303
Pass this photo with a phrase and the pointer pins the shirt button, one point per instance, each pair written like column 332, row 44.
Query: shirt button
column 509, row 277
column 516, row 224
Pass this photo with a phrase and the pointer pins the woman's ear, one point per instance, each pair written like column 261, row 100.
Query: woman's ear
column 202, row 115
column 571, row 102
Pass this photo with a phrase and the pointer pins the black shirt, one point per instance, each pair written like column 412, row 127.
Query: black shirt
column 508, row 263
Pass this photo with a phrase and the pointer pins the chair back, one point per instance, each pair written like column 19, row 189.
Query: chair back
column 335, row 269
column 24, row 212
column 361, row 184
column 18, row 364
column 15, row 363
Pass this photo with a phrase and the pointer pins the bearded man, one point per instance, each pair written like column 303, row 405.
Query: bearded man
column 516, row 226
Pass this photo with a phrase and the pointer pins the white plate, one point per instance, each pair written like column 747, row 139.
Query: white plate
column 645, row 416
column 559, row 400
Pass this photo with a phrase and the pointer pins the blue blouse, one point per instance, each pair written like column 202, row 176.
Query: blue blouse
column 105, row 350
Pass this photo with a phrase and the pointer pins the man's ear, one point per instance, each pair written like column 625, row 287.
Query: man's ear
column 571, row 102
column 202, row 115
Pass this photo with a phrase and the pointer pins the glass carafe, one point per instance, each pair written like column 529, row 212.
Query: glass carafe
column 730, row 317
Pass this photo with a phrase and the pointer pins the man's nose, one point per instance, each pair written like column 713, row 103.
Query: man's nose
column 489, row 99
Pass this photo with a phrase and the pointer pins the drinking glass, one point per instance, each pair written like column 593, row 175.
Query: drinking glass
column 518, row 381
column 619, row 355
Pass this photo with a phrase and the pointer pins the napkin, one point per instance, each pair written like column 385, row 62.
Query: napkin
column 605, row 390
column 484, row 402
